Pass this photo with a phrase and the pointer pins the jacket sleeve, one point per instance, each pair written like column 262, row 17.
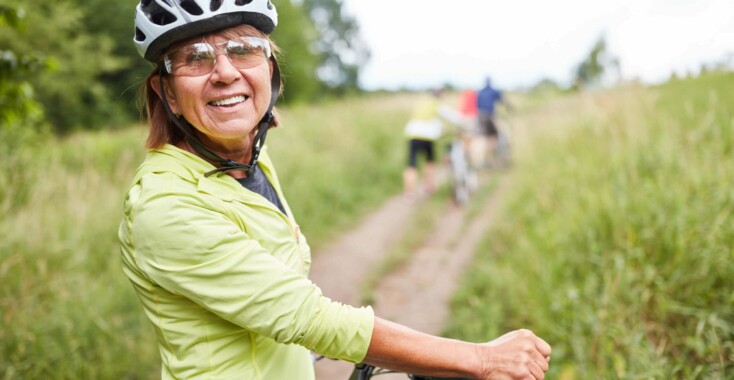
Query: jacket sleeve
column 190, row 249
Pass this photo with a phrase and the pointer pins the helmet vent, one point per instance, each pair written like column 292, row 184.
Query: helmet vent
column 214, row 5
column 139, row 36
column 191, row 7
column 242, row 2
column 156, row 14
column 162, row 18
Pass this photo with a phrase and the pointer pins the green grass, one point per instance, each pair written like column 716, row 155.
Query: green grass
column 616, row 241
column 476, row 202
column 68, row 311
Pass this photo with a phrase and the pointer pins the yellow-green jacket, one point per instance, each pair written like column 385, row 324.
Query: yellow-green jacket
column 222, row 275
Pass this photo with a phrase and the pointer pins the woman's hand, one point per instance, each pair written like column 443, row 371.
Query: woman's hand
column 519, row 354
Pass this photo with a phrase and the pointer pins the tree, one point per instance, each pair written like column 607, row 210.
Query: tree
column 72, row 91
column 21, row 116
column 114, row 20
column 590, row 72
column 342, row 52
column 294, row 35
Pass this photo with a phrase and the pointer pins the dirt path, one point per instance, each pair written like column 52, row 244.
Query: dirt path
column 418, row 294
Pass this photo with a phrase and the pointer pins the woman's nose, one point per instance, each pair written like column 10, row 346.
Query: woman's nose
column 224, row 70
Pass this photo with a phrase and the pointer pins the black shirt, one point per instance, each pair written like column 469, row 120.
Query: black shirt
column 259, row 183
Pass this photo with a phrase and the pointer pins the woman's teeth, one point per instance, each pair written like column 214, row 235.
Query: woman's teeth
column 228, row 101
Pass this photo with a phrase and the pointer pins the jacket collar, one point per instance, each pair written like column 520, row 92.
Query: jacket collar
column 190, row 167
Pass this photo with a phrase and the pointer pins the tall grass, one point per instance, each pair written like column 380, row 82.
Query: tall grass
column 66, row 309
column 67, row 312
column 616, row 242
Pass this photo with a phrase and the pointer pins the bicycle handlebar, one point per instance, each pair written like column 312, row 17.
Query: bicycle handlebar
column 364, row 371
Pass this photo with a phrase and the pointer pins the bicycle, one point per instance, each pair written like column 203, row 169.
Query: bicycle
column 463, row 176
column 364, row 371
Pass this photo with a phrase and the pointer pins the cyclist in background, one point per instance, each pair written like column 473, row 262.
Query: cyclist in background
column 487, row 99
column 208, row 241
column 468, row 108
column 470, row 113
column 426, row 126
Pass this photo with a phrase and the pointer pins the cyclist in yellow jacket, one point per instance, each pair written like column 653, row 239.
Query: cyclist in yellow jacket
column 427, row 124
column 209, row 242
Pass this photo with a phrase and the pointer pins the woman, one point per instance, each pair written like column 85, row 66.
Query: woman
column 208, row 240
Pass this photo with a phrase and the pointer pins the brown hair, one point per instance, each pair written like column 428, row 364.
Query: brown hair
column 162, row 130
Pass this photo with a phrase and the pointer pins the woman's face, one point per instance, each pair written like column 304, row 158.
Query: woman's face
column 226, row 104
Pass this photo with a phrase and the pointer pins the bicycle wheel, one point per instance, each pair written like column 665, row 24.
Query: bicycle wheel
column 460, row 173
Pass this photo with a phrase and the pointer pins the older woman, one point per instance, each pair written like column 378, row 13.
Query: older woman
column 209, row 242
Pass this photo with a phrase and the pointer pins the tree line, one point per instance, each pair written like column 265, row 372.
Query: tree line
column 68, row 65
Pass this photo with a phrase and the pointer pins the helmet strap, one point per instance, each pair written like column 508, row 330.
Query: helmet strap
column 267, row 121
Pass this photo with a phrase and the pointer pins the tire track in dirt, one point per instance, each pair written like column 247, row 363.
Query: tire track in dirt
column 417, row 294
column 339, row 268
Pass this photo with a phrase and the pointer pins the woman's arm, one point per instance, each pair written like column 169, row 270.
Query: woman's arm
column 516, row 355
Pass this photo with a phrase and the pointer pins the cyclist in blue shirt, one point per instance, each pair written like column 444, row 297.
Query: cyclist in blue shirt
column 487, row 98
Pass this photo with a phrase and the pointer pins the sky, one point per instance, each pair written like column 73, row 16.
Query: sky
column 426, row 43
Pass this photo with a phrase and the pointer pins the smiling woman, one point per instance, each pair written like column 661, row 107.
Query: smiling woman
column 185, row 111
column 209, row 242
column 222, row 99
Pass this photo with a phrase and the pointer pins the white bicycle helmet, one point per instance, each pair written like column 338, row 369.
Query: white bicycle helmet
column 161, row 23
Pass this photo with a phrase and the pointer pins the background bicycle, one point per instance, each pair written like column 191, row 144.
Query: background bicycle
column 463, row 176
column 366, row 371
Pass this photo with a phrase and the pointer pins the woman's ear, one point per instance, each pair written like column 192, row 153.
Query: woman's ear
column 155, row 84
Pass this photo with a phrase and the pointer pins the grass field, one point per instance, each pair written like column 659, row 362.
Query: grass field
column 616, row 243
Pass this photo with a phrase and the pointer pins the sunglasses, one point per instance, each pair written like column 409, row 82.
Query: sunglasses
column 199, row 58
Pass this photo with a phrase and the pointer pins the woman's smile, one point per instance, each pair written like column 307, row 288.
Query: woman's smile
column 231, row 104
column 229, row 101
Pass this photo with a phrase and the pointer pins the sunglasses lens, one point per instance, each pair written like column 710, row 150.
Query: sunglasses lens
column 192, row 60
column 200, row 58
column 244, row 55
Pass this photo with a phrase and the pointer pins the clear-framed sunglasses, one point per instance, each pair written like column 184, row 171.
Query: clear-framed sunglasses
column 199, row 58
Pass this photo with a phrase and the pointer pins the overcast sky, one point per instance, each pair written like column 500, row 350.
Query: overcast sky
column 422, row 43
